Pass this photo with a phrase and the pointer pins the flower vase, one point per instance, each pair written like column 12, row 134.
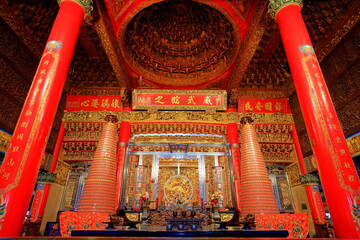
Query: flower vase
column 216, row 215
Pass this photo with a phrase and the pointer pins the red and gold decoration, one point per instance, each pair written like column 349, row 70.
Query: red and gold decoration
column 179, row 99
column 182, row 119
column 44, row 183
column 4, row 140
column 353, row 143
column 311, row 184
column 99, row 192
column 124, row 135
column 264, row 105
column 22, row 162
column 257, row 196
column 323, row 127
column 93, row 103
column 297, row 223
column 194, row 45
column 39, row 201
column 81, row 221
column 233, row 138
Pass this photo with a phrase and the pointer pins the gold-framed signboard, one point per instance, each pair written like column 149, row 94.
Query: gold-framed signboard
column 149, row 99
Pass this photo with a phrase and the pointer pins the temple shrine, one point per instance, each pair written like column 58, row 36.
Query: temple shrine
column 180, row 118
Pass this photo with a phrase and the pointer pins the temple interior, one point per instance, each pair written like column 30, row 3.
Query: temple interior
column 199, row 118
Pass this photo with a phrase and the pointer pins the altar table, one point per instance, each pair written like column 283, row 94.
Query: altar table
column 162, row 232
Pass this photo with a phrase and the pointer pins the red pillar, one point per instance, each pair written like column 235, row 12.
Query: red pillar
column 57, row 148
column 124, row 136
column 43, row 188
column 22, row 162
column 336, row 167
column 233, row 138
column 311, row 187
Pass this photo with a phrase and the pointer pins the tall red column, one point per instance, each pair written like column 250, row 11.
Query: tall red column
column 43, row 187
column 124, row 136
column 233, row 137
column 336, row 168
column 311, row 185
column 22, row 162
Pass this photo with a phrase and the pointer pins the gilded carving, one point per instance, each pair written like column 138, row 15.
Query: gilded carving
column 46, row 177
column 46, row 161
column 61, row 172
column 353, row 144
column 132, row 216
column 178, row 116
column 338, row 35
column 226, row 217
column 28, row 39
column 96, row 92
column 250, row 93
column 349, row 116
column 107, row 38
column 248, row 49
column 84, row 156
column 293, row 172
column 182, row 50
column 309, row 179
column 277, row 152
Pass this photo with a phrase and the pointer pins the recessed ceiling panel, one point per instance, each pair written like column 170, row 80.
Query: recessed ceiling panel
column 179, row 43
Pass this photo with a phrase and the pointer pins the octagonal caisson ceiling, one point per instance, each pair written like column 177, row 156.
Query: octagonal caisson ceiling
column 179, row 43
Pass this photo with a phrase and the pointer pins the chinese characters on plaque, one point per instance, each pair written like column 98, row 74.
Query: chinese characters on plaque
column 264, row 105
column 94, row 103
column 179, row 99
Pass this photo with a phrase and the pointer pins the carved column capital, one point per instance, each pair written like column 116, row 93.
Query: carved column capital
column 276, row 5
column 309, row 179
column 87, row 5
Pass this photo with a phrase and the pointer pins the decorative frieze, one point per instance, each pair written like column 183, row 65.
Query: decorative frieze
column 46, row 177
column 178, row 116
column 79, row 146
column 278, row 157
column 85, row 156
column 166, row 149
column 309, row 179
column 178, row 128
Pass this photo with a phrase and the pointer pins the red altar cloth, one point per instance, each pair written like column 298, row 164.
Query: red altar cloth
column 297, row 223
column 81, row 221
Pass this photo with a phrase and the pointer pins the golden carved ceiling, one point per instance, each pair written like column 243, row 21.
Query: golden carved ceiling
column 228, row 44
column 179, row 43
